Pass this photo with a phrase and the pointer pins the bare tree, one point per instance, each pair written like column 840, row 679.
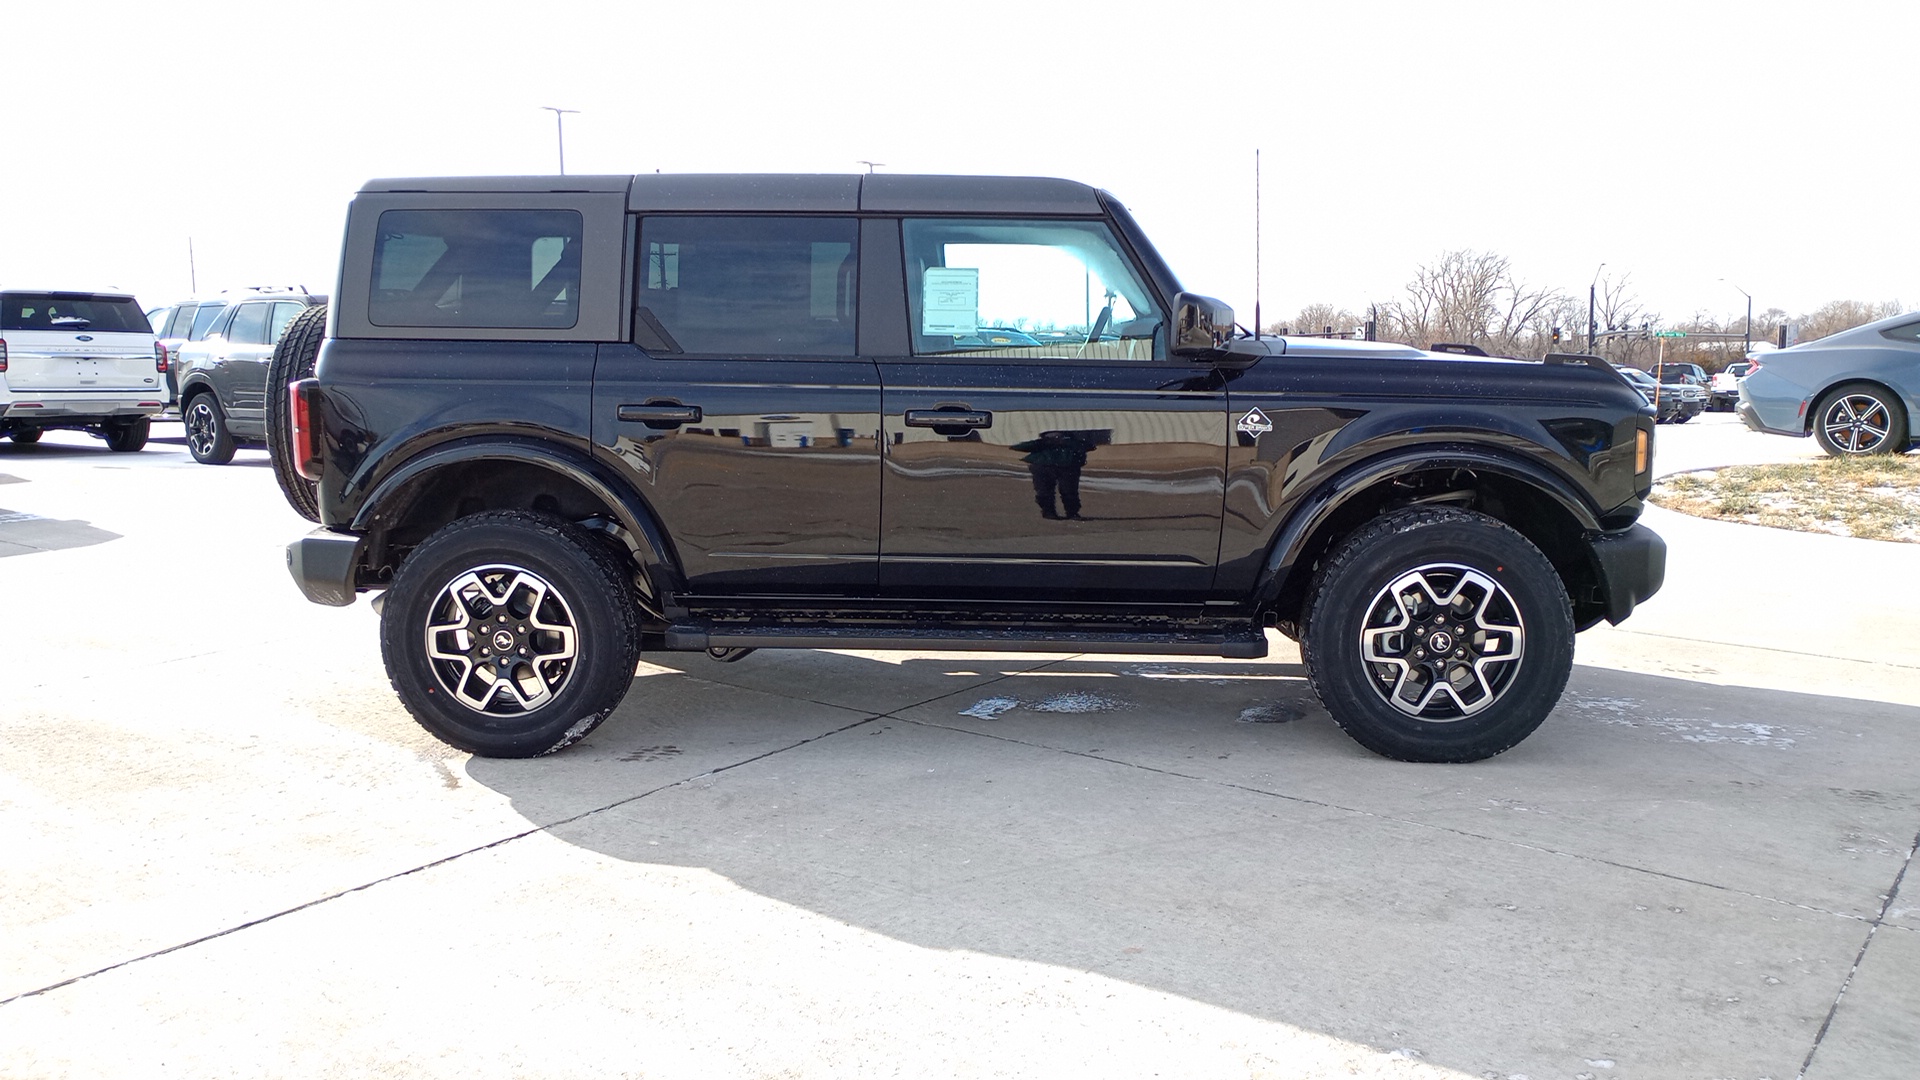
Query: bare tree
column 1316, row 318
column 1472, row 298
column 1844, row 315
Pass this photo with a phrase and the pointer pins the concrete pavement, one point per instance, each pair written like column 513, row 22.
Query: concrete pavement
column 229, row 853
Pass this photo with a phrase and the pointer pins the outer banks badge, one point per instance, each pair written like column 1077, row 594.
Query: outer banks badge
column 1255, row 423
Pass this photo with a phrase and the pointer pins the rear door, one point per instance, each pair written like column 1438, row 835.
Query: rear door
column 741, row 411
column 1039, row 439
column 77, row 341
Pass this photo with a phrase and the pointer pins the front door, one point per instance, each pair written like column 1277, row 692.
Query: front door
column 1039, row 440
column 740, row 411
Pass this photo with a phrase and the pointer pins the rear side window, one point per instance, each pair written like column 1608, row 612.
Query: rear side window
column 72, row 311
column 1909, row 332
column 747, row 286
column 203, row 320
column 477, row 268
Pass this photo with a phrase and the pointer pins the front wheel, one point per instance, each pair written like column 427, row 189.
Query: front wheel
column 1859, row 419
column 1438, row 634
column 510, row 634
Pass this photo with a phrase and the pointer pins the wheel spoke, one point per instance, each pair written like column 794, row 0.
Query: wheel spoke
column 501, row 640
column 1442, row 641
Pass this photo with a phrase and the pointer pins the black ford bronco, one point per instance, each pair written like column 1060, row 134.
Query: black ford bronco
column 558, row 420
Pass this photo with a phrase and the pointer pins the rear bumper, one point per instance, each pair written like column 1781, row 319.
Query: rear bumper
column 59, row 408
column 1750, row 416
column 324, row 563
column 1633, row 566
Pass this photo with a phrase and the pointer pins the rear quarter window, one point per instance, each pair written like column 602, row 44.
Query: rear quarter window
column 1908, row 332
column 476, row 268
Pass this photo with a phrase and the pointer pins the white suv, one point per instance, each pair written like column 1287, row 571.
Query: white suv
column 86, row 361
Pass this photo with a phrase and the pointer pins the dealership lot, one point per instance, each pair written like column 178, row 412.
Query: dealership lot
column 229, row 851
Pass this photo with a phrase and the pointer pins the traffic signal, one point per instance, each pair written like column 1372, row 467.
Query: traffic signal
column 1556, row 335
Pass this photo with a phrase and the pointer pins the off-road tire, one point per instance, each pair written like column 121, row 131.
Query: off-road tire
column 1857, row 419
column 128, row 436
column 26, row 436
column 293, row 358
column 1343, row 620
column 209, row 439
column 547, row 574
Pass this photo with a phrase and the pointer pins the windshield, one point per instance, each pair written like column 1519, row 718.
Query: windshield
column 72, row 311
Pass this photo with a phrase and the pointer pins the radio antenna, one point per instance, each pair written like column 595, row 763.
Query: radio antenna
column 1256, row 244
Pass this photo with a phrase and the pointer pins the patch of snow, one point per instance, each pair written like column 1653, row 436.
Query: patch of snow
column 991, row 708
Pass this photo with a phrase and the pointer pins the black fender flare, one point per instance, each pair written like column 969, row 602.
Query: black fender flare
column 1290, row 542
column 649, row 541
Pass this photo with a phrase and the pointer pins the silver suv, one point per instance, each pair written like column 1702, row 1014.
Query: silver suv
column 80, row 360
column 221, row 369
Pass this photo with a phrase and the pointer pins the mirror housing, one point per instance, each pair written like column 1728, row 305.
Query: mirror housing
column 1202, row 326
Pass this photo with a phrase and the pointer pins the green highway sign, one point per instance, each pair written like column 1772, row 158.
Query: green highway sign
column 1669, row 333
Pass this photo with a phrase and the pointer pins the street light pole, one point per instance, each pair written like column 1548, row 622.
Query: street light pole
column 1747, row 344
column 560, row 132
column 1590, row 324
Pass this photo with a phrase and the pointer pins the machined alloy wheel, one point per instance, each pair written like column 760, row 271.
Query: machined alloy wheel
column 1444, row 641
column 511, row 633
column 1434, row 633
column 502, row 640
column 208, row 439
column 1858, row 419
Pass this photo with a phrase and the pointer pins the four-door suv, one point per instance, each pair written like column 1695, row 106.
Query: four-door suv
column 557, row 419
column 85, row 361
column 221, row 369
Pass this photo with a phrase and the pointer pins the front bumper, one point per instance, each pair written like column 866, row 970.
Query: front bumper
column 324, row 563
column 1633, row 565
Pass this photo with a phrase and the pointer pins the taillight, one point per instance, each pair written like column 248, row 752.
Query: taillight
column 303, row 411
column 1752, row 366
column 159, row 358
column 3, row 355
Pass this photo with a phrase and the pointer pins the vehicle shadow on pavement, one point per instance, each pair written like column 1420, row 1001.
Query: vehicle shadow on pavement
column 1667, row 872
column 30, row 534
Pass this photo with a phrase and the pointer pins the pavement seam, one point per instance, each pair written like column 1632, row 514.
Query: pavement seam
column 1886, row 905
column 444, row 860
column 1325, row 805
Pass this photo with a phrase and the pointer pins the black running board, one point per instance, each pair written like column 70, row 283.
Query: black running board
column 1241, row 642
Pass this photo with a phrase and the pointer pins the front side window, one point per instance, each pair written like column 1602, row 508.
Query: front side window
column 747, row 286
column 478, row 268
column 1026, row 289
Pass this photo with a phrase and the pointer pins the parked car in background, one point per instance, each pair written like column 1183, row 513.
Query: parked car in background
column 1688, row 384
column 221, row 367
column 82, row 361
column 1723, row 389
column 1667, row 404
column 1856, row 392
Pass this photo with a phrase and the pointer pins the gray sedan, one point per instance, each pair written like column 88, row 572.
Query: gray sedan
column 1856, row 392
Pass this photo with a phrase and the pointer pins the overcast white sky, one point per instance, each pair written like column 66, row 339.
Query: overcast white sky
column 1769, row 144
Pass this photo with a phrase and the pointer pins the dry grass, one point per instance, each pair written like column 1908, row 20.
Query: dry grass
column 1874, row 498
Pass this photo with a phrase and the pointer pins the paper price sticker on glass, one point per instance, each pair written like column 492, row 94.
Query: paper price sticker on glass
column 952, row 300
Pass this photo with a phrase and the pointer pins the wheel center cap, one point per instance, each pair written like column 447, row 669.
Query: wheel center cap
column 503, row 640
column 1440, row 642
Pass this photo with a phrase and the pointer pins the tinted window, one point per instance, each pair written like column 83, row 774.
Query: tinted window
column 249, row 325
column 499, row 268
column 72, row 311
column 1909, row 332
column 283, row 314
column 747, row 286
column 203, row 319
column 1026, row 289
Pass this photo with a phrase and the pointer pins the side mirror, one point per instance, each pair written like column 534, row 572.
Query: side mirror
column 1201, row 326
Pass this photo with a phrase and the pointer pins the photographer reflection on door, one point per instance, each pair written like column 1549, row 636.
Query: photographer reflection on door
column 1055, row 459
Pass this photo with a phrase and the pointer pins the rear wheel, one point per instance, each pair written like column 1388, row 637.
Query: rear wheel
column 26, row 436
column 1859, row 419
column 208, row 439
column 510, row 634
column 129, row 435
column 1438, row 634
column 293, row 360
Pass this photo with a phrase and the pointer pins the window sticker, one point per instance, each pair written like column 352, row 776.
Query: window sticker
column 951, row 300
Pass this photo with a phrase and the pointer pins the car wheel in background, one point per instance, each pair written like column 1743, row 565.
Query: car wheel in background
column 208, row 439
column 26, row 436
column 1856, row 419
column 293, row 359
column 127, row 436
column 510, row 633
column 1438, row 634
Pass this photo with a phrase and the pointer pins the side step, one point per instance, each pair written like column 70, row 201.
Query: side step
column 1237, row 641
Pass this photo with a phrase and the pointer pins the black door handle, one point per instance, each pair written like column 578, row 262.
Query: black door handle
column 659, row 414
column 953, row 418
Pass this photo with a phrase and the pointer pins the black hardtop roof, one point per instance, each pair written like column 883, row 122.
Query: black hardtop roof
column 789, row 192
